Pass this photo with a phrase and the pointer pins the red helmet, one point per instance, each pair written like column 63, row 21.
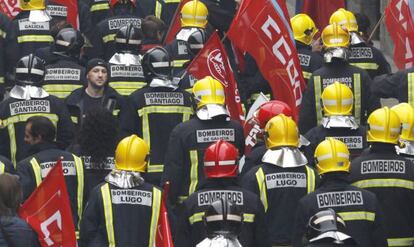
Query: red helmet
column 220, row 160
column 113, row 2
column 271, row 109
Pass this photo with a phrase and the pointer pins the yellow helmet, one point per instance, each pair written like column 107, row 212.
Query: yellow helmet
column 384, row 126
column 337, row 100
column 194, row 14
column 281, row 131
column 32, row 4
column 132, row 154
column 406, row 114
column 345, row 19
column 332, row 155
column 208, row 91
column 334, row 36
column 304, row 28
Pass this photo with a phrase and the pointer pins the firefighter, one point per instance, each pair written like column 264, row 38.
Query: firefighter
column 406, row 114
column 193, row 16
column 336, row 68
column 188, row 140
column 304, row 31
column 362, row 55
column 337, row 122
column 98, row 11
column 223, row 221
column 124, row 210
column 39, row 134
column 165, row 10
column 220, row 169
column 97, row 94
column 359, row 208
column 125, row 70
column 103, row 40
column 388, row 175
column 158, row 108
column 326, row 229
column 282, row 178
column 65, row 74
column 27, row 99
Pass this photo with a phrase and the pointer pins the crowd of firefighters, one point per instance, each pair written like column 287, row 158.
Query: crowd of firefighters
column 126, row 119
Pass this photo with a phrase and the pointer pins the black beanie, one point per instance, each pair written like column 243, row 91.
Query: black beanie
column 95, row 62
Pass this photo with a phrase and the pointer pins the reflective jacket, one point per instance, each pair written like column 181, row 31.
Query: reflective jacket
column 98, row 10
column 280, row 190
column 357, row 79
column 179, row 54
column 359, row 209
column 183, row 165
column 191, row 230
column 15, row 112
column 309, row 61
column 165, row 9
column 6, row 165
column 121, row 217
column 369, row 58
column 126, row 79
column 391, row 178
column 157, row 111
column 35, row 168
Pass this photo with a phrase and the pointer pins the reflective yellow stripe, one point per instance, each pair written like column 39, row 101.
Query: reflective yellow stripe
column 156, row 206
column 22, row 118
column 172, row 1
column 36, row 170
column 60, row 90
column 410, row 86
column 158, row 9
column 98, row 7
column 109, row 221
column 193, row 171
column 155, row 168
column 317, row 86
column 197, row 217
column 372, row 66
column 182, row 198
column 2, row 34
column 126, row 88
column 357, row 97
column 34, row 38
column 108, row 38
column 1, row 79
column 115, row 112
column 262, row 187
column 248, row 218
column 80, row 177
column 2, row 167
column 190, row 90
column 310, row 174
column 359, row 215
column 400, row 241
column 385, row 182
column 74, row 119
column 306, row 75
column 180, row 63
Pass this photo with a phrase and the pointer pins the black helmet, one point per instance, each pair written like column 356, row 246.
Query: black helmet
column 30, row 70
column 68, row 42
column 196, row 41
column 223, row 218
column 129, row 39
column 157, row 63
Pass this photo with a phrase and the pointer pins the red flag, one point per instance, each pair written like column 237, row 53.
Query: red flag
column 164, row 238
column 72, row 5
column 10, row 7
column 175, row 25
column 399, row 23
column 262, row 28
column 48, row 211
column 213, row 61
column 321, row 10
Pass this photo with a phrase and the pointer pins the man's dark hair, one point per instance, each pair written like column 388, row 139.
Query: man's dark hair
column 363, row 23
column 42, row 127
column 151, row 26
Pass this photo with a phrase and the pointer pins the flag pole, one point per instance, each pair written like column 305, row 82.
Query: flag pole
column 376, row 27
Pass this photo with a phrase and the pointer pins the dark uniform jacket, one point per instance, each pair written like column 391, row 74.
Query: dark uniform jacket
column 121, row 217
column 179, row 54
column 355, row 78
column 191, row 230
column 157, row 111
column 254, row 158
column 309, row 60
column 391, row 178
column 4, row 25
column 359, row 209
column 183, row 165
column 125, row 79
column 18, row 232
column 369, row 58
column 111, row 101
column 355, row 140
column 98, row 10
column 35, row 168
column 399, row 85
column 280, row 190
column 64, row 76
column 15, row 112
column 6, row 165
